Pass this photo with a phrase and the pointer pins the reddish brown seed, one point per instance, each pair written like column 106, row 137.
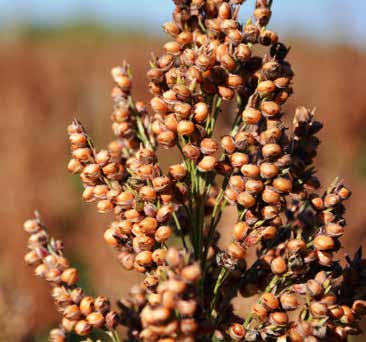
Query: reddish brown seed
column 185, row 127
column 359, row 307
column 75, row 166
column 251, row 116
column 237, row 332
column 147, row 193
column 269, row 301
column 159, row 256
column 172, row 48
column 228, row 62
column 125, row 199
column 317, row 203
column 271, row 150
column 166, row 138
column 278, row 265
column 234, row 81
column 207, row 164
column 336, row 311
column 289, row 301
column 323, row 243
column 270, row 108
column 282, row 184
column 171, row 122
column 254, row 186
column 278, row 318
column 236, row 251
column 226, row 93
column 344, row 193
column 270, row 196
column 281, row 82
column 31, row 226
column 250, row 170
column 246, row 200
column 185, row 38
column 70, row 276
column 201, row 112
column 318, row 309
column 240, row 231
column 192, row 152
column 209, row 146
column 32, row 258
column 243, row 52
column 334, row 229
column 262, row 15
column 331, row 200
column 296, row 245
column 238, row 159
column 227, row 143
column 177, row 171
column 314, row 288
column 87, row 305
column 111, row 236
column 72, row 312
column 348, row 316
column 158, row 105
column 269, row 170
column 231, row 195
column 102, row 304
column 182, row 110
column 265, row 87
column 224, row 11
column 324, row 258
column 68, row 325
column 237, row 183
column 163, row 233
column 171, row 28
column 105, row 206
column 83, row 328
column 82, row 154
column 95, row 319
column 148, row 225
column 260, row 312
column 144, row 258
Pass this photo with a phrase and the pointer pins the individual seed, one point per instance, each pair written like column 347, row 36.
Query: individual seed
column 83, row 328
column 236, row 251
column 251, row 116
column 282, row 184
column 207, row 164
column 238, row 159
column 246, row 200
column 163, row 233
column 323, row 243
column 278, row 265
column 70, row 276
column 269, row 301
column 250, row 170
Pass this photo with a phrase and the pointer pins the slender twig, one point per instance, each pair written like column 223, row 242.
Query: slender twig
column 181, row 233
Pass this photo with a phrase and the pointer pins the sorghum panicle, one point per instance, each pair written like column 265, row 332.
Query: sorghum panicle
column 259, row 166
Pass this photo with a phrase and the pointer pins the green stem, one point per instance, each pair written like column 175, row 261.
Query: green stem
column 179, row 227
column 141, row 130
column 113, row 335
column 219, row 281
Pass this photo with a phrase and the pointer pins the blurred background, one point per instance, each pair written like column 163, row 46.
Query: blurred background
column 55, row 58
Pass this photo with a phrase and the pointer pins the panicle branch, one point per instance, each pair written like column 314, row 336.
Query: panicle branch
column 80, row 313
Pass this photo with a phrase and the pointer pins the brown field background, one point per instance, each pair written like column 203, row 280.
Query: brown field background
column 47, row 80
